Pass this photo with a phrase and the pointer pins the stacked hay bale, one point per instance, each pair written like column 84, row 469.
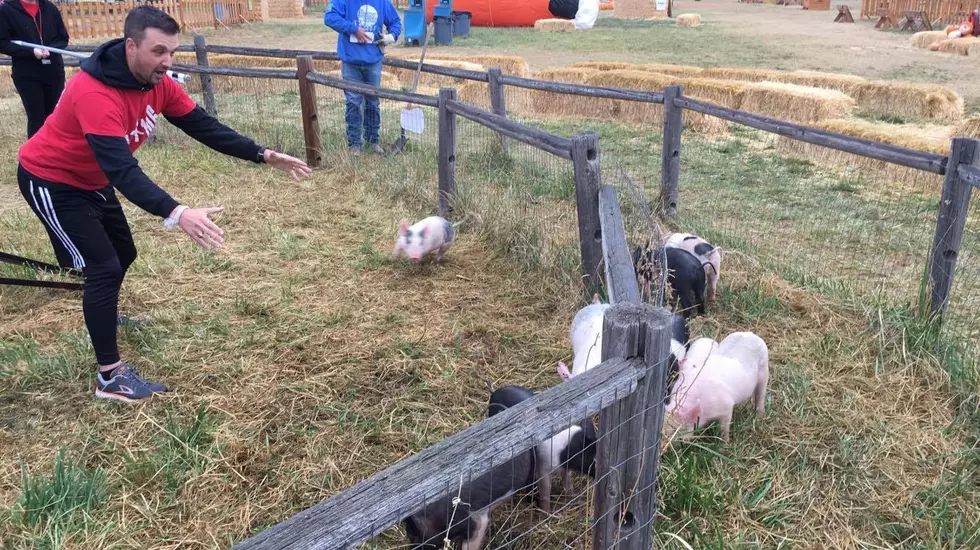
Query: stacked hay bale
column 637, row 9
column 959, row 46
column 554, row 25
column 508, row 64
column 928, row 138
column 553, row 104
column 924, row 39
column 969, row 127
column 688, row 20
column 652, row 113
column 917, row 101
column 794, row 103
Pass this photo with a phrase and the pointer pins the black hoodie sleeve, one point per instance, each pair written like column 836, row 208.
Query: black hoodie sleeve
column 125, row 174
column 208, row 130
column 7, row 34
column 60, row 39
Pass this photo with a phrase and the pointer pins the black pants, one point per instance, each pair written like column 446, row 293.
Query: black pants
column 88, row 231
column 39, row 99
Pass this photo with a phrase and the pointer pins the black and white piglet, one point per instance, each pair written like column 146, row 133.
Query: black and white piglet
column 684, row 273
column 427, row 528
column 570, row 450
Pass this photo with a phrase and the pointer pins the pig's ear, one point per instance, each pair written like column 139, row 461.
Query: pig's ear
column 402, row 227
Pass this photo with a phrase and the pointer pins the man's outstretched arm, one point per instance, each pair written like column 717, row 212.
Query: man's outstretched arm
column 211, row 132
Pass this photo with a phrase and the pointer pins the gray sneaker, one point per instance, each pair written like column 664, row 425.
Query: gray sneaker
column 126, row 385
column 354, row 151
column 377, row 148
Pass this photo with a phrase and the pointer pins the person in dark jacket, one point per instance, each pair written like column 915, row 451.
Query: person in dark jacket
column 39, row 75
column 69, row 171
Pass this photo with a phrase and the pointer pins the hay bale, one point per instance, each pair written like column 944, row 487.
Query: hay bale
column 928, row 138
column 637, row 9
column 508, row 64
column 566, row 105
column 604, row 65
column 652, row 113
column 554, row 25
column 674, row 70
column 688, row 20
column 794, row 103
column 407, row 76
column 739, row 73
column 924, row 39
column 476, row 94
column 722, row 92
column 958, row 46
column 970, row 127
column 815, row 79
column 917, row 101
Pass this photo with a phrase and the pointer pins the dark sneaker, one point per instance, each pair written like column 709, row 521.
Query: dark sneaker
column 126, row 385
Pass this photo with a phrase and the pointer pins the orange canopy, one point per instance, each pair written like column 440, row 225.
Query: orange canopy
column 498, row 13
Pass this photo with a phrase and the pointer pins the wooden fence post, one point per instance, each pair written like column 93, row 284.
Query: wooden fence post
column 447, row 152
column 951, row 221
column 628, row 448
column 497, row 101
column 671, row 151
column 311, row 123
column 588, row 180
column 201, row 50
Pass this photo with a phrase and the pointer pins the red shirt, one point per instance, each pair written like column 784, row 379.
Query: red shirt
column 31, row 9
column 59, row 151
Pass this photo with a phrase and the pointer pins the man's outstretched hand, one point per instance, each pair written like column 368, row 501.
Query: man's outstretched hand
column 286, row 163
column 195, row 222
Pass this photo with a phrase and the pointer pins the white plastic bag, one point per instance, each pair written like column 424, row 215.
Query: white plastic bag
column 588, row 12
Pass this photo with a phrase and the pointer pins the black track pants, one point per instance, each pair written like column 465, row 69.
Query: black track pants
column 89, row 232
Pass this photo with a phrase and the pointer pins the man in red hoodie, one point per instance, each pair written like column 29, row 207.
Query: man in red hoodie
column 68, row 173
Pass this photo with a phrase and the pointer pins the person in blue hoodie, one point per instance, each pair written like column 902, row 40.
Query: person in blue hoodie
column 359, row 26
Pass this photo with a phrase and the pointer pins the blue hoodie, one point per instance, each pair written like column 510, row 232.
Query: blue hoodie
column 345, row 16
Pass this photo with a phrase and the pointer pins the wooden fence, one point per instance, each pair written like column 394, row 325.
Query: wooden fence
column 101, row 19
column 938, row 12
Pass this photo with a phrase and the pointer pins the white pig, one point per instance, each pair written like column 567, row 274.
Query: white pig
column 586, row 337
column 735, row 371
column 709, row 255
column 432, row 233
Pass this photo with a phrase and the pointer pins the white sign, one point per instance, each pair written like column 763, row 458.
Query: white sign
column 413, row 120
column 661, row 5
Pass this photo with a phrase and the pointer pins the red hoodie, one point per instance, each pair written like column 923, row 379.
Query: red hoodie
column 104, row 115
column 60, row 152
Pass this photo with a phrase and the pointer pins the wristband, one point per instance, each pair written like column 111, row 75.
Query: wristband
column 261, row 155
column 171, row 222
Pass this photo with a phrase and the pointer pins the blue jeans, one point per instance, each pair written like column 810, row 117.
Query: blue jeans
column 366, row 74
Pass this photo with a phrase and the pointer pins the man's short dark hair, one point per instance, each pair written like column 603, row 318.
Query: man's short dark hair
column 146, row 17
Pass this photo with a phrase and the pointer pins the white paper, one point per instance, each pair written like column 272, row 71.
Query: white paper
column 370, row 35
column 413, row 120
column 661, row 5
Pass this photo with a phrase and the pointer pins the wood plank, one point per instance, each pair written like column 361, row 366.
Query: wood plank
column 588, row 181
column 366, row 509
column 620, row 274
column 546, row 141
column 670, row 154
column 201, row 51
column 928, row 162
column 415, row 99
column 308, row 106
column 583, row 90
column 244, row 72
column 447, row 153
column 498, row 101
column 951, row 221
